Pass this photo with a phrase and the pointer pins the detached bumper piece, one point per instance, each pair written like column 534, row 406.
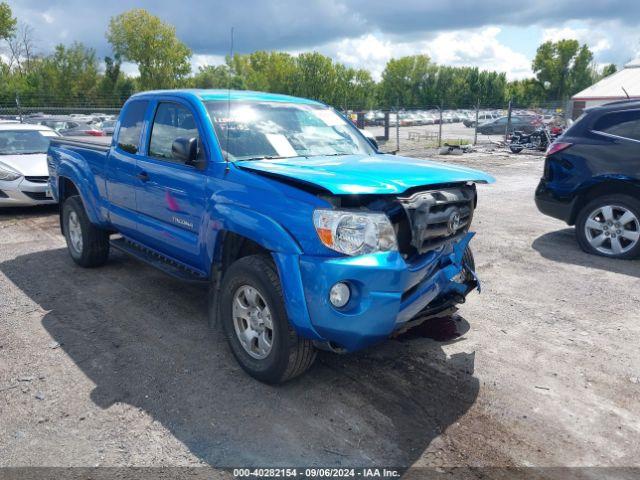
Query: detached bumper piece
column 386, row 292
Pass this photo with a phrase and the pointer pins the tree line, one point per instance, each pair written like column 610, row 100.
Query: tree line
column 73, row 75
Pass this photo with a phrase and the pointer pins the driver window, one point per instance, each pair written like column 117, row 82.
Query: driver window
column 171, row 121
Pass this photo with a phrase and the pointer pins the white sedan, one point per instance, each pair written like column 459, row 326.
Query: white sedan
column 24, row 176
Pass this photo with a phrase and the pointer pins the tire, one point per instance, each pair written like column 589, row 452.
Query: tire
column 516, row 148
column 468, row 259
column 603, row 213
column 89, row 245
column 288, row 354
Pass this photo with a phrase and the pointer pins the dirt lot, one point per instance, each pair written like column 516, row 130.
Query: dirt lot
column 411, row 137
column 116, row 366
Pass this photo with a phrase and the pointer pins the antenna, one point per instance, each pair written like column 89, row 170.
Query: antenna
column 226, row 148
column 625, row 92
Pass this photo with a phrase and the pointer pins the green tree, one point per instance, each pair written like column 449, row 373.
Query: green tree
column 69, row 75
column 314, row 77
column 266, row 71
column 7, row 21
column 142, row 38
column 526, row 93
column 563, row 68
column 409, row 82
column 114, row 86
column 609, row 70
column 217, row 76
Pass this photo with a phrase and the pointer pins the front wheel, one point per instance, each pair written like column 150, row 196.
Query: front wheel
column 255, row 322
column 610, row 226
column 88, row 245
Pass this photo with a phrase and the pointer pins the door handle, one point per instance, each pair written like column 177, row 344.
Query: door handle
column 143, row 176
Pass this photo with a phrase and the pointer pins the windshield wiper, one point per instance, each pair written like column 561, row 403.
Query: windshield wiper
column 277, row 157
column 266, row 157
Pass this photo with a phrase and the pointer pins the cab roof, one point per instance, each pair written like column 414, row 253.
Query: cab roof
column 224, row 95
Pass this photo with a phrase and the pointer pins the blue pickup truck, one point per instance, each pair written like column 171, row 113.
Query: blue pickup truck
column 306, row 235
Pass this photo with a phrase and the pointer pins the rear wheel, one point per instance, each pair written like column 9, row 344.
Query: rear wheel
column 256, row 325
column 88, row 245
column 610, row 226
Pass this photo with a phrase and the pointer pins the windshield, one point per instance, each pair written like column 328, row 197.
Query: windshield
column 257, row 130
column 22, row 142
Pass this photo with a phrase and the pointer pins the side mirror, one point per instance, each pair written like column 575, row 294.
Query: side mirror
column 185, row 150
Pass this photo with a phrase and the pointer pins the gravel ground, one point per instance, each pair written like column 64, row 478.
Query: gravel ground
column 115, row 366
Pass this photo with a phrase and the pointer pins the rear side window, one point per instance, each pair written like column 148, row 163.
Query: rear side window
column 172, row 121
column 131, row 126
column 622, row 124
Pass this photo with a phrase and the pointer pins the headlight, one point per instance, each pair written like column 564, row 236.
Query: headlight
column 355, row 233
column 7, row 173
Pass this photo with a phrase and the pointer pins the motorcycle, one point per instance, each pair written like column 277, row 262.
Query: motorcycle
column 539, row 140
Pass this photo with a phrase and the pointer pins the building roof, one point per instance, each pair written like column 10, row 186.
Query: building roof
column 611, row 87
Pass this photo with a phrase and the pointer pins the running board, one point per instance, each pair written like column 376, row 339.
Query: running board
column 161, row 262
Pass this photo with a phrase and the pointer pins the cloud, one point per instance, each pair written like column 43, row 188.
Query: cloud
column 610, row 41
column 478, row 47
column 358, row 32
column 597, row 40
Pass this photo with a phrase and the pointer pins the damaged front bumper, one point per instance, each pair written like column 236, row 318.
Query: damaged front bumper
column 387, row 293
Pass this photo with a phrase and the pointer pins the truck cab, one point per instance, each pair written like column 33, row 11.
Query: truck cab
column 307, row 236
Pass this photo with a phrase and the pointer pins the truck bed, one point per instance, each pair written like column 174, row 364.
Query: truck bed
column 101, row 144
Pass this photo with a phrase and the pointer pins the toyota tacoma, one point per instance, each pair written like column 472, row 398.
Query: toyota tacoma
column 306, row 235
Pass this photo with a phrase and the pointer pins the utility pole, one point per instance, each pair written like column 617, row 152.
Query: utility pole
column 508, row 127
column 475, row 128
column 18, row 107
column 440, row 127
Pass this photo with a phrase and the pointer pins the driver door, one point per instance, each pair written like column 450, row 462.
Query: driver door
column 171, row 194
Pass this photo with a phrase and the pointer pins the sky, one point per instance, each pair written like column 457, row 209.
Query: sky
column 491, row 34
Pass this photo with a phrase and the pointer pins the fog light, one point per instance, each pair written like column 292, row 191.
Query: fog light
column 339, row 294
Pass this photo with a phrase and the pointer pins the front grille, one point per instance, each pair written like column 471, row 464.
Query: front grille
column 37, row 179
column 438, row 216
column 37, row 195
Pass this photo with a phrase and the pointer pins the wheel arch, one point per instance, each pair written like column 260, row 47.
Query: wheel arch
column 66, row 188
column 232, row 245
column 604, row 186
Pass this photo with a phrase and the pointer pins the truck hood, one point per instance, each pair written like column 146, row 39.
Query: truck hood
column 34, row 165
column 365, row 174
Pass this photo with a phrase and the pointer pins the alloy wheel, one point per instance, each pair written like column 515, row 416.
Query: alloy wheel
column 252, row 322
column 612, row 229
column 75, row 232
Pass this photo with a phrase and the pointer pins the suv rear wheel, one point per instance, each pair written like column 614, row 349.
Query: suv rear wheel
column 610, row 226
column 256, row 325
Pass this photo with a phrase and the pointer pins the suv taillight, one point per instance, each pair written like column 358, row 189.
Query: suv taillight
column 556, row 147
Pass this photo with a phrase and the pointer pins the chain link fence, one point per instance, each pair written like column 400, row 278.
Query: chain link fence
column 412, row 131
column 407, row 131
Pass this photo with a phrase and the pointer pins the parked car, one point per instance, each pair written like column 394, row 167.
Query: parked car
column 108, row 126
column 592, row 180
column 482, row 118
column 82, row 130
column 67, row 125
column 498, row 126
column 307, row 236
column 23, row 164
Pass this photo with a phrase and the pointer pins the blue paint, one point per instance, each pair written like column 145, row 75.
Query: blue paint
column 181, row 211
